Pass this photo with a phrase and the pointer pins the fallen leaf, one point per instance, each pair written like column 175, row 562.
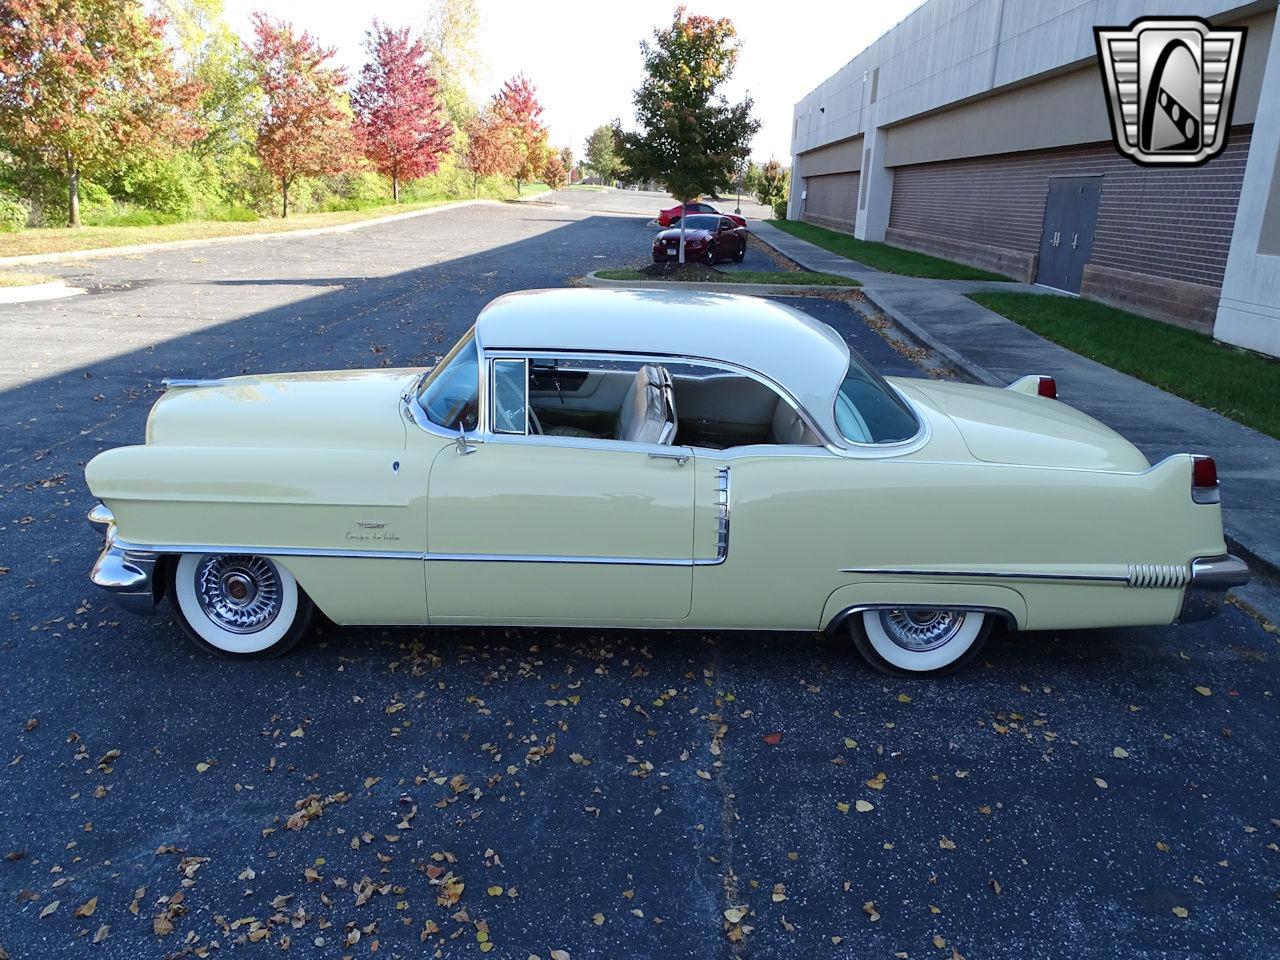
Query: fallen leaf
column 86, row 909
column 495, row 891
column 1120, row 753
column 863, row 806
column 995, row 886
column 735, row 914
column 1204, row 691
column 1100, row 782
column 903, row 698
column 842, row 806
column 946, row 844
column 869, row 908
column 772, row 739
column 49, row 909
column 102, row 934
column 598, row 919
column 1182, row 912
column 560, row 955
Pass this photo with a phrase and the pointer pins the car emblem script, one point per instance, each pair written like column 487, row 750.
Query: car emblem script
column 1171, row 85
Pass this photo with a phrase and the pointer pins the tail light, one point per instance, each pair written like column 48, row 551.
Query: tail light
column 1048, row 387
column 1204, row 479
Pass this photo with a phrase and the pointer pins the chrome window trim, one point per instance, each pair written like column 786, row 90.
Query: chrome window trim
column 658, row 356
column 493, row 394
column 412, row 407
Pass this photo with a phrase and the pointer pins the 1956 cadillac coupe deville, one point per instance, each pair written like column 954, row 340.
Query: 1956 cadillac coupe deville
column 650, row 459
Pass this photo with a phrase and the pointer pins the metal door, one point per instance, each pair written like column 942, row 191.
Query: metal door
column 1070, row 220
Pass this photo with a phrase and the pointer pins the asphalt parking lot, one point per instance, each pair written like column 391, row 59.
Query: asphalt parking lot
column 451, row 792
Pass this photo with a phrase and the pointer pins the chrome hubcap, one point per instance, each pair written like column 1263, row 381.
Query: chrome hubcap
column 239, row 594
column 921, row 630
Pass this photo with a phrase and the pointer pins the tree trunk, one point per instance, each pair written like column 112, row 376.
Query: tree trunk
column 395, row 183
column 73, row 195
column 284, row 193
column 517, row 186
column 475, row 185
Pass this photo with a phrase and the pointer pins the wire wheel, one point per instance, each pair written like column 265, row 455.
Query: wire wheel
column 921, row 630
column 240, row 594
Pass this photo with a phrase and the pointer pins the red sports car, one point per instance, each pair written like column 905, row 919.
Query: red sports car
column 707, row 239
column 670, row 215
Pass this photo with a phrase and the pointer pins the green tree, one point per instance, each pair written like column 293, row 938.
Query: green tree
column 601, row 155
column 690, row 136
column 453, row 53
column 771, row 183
column 85, row 84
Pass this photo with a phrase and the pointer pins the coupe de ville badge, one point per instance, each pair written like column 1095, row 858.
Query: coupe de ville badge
column 1171, row 85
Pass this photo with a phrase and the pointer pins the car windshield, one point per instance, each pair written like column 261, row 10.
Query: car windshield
column 450, row 396
column 868, row 410
column 700, row 221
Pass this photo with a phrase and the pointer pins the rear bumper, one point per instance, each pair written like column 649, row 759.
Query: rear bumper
column 128, row 575
column 1211, row 578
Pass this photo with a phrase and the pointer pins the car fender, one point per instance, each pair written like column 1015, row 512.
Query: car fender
column 1006, row 601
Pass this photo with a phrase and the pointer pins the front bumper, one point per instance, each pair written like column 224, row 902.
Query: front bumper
column 128, row 575
column 1211, row 578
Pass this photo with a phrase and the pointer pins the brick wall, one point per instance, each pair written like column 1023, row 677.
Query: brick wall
column 1170, row 223
column 832, row 201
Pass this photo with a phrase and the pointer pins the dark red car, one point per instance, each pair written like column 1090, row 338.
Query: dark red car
column 672, row 214
column 708, row 238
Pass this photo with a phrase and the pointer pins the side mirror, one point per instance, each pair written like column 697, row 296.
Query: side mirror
column 464, row 445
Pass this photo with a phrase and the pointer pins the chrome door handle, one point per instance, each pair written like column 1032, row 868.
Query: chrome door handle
column 679, row 458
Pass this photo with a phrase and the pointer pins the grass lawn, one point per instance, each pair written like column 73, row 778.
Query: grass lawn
column 1240, row 385
column 881, row 256
column 738, row 276
column 64, row 239
column 15, row 279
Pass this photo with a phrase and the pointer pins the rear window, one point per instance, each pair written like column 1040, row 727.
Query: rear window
column 868, row 410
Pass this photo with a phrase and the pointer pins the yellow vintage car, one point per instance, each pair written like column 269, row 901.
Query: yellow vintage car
column 658, row 460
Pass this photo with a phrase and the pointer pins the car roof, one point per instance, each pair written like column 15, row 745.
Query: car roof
column 807, row 359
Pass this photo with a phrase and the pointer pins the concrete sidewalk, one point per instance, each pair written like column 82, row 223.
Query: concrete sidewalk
column 987, row 348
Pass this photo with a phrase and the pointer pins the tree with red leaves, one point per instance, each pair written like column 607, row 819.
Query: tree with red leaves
column 491, row 149
column 304, row 131
column 517, row 106
column 402, row 127
column 553, row 172
column 85, row 84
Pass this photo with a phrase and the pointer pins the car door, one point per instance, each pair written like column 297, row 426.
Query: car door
column 558, row 529
column 730, row 239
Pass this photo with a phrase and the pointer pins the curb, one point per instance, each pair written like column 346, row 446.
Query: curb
column 966, row 368
column 32, row 292
column 746, row 289
column 38, row 258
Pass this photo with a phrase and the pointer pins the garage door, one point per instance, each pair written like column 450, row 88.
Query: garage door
column 832, row 201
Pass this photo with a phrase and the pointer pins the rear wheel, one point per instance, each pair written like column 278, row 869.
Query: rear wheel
column 916, row 642
column 741, row 254
column 711, row 253
column 238, row 606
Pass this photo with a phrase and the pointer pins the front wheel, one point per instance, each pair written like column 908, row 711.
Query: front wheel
column 915, row 642
column 711, row 254
column 238, row 606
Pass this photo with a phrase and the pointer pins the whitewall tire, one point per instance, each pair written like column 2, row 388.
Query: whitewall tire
column 913, row 642
column 238, row 606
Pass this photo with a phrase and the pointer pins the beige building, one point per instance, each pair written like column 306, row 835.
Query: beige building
column 978, row 130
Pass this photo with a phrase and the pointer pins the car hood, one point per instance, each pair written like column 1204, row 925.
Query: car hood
column 1004, row 426
column 337, row 409
column 689, row 234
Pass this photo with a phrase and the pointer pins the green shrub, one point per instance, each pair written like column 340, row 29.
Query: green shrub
column 233, row 214
column 126, row 215
column 780, row 209
column 13, row 214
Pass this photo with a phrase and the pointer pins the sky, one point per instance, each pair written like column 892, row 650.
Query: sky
column 584, row 58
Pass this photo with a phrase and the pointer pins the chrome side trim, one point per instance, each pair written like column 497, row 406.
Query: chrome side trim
column 1211, row 578
column 1159, row 576
column 986, row 574
column 723, row 508
column 178, row 383
column 270, row 551
column 848, row 612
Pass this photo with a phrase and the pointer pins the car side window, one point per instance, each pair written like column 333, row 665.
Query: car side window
column 510, row 396
column 726, row 223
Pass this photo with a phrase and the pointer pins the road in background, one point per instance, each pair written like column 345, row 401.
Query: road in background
column 606, row 793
